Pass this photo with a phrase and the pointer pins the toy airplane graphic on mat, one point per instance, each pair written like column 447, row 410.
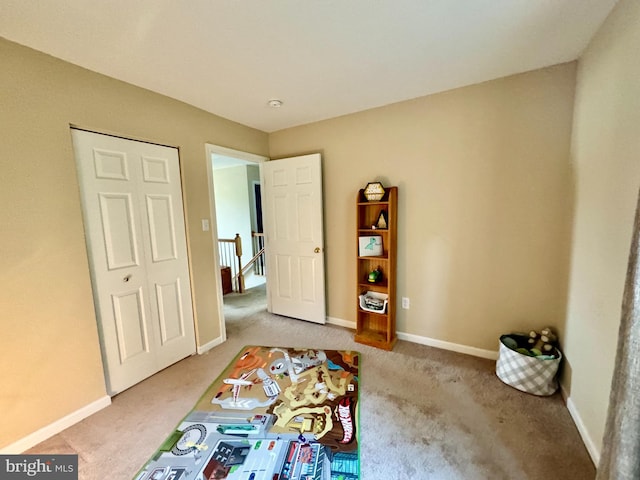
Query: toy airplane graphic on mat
column 234, row 402
column 237, row 381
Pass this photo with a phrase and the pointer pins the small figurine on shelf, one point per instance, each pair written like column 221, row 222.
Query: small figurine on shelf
column 375, row 276
column 382, row 221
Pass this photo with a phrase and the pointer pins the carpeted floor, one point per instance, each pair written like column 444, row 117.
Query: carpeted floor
column 424, row 413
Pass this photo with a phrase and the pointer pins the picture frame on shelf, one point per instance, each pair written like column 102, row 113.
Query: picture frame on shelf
column 370, row 246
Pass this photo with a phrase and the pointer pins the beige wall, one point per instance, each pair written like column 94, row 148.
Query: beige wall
column 606, row 163
column 482, row 173
column 488, row 187
column 50, row 357
column 233, row 205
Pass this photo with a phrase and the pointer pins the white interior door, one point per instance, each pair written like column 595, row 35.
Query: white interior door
column 294, row 237
column 134, row 225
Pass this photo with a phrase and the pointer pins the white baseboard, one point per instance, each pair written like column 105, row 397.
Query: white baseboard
column 594, row 452
column 59, row 425
column 341, row 323
column 454, row 347
column 209, row 345
column 56, row 427
column 431, row 342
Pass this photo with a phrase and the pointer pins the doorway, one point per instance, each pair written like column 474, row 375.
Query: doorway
column 236, row 206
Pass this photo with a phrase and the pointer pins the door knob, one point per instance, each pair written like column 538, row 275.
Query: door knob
column 316, row 250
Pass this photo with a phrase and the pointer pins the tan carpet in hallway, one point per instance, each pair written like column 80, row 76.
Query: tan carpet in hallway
column 424, row 413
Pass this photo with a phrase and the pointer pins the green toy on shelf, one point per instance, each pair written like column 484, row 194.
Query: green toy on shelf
column 375, row 276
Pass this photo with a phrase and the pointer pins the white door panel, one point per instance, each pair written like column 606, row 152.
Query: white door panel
column 130, row 324
column 134, row 221
column 161, row 228
column 294, row 237
column 307, row 271
column 170, row 310
column 118, row 225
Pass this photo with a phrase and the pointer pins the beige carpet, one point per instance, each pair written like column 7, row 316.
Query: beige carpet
column 424, row 413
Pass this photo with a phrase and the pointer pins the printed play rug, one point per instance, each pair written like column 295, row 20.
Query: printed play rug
column 274, row 414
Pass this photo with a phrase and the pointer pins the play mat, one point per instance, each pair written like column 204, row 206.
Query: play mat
column 273, row 414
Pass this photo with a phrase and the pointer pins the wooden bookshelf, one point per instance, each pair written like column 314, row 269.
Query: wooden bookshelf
column 377, row 329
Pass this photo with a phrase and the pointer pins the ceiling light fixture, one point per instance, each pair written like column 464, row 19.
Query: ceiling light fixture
column 275, row 103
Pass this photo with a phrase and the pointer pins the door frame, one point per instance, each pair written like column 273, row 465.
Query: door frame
column 211, row 149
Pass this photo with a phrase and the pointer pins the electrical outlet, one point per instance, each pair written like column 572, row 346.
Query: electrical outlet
column 406, row 303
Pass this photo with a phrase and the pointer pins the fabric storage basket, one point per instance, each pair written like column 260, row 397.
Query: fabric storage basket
column 528, row 374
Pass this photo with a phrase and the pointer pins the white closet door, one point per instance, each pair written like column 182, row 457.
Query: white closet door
column 134, row 224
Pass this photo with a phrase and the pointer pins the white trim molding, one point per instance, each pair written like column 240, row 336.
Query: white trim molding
column 594, row 451
column 341, row 323
column 209, row 345
column 454, row 347
column 56, row 427
column 431, row 342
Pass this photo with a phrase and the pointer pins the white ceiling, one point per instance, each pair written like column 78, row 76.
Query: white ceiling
column 322, row 58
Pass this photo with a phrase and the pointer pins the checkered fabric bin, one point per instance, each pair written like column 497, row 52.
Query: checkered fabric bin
column 528, row 374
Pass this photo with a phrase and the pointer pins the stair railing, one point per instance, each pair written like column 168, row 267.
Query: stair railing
column 230, row 250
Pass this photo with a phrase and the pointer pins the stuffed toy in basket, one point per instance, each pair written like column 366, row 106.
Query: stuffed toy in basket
column 522, row 368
